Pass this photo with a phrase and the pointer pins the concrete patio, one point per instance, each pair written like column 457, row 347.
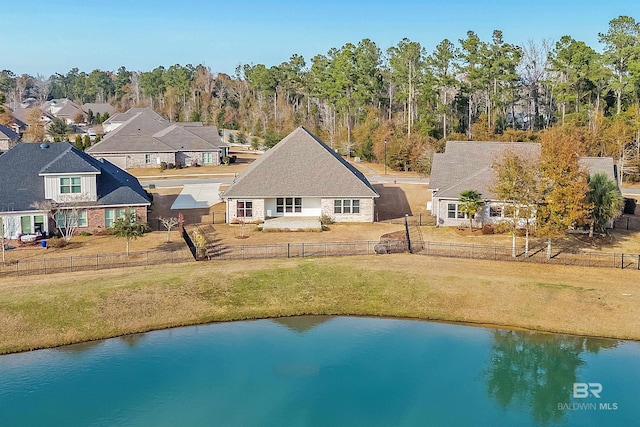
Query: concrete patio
column 295, row 223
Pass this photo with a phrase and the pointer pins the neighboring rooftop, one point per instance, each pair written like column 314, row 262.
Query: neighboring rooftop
column 21, row 183
column 300, row 165
column 147, row 131
column 467, row 165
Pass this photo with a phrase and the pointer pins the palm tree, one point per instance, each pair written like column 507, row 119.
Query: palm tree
column 605, row 199
column 470, row 203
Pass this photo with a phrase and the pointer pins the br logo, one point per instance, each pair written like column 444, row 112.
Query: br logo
column 582, row 390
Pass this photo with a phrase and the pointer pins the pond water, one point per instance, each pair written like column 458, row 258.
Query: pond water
column 326, row 371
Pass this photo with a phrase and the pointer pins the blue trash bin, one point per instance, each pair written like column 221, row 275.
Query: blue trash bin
column 43, row 243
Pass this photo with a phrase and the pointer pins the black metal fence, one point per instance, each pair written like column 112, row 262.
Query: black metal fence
column 294, row 250
column 536, row 255
column 92, row 262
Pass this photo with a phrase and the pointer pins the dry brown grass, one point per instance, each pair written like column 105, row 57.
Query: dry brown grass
column 52, row 310
column 227, row 234
column 99, row 244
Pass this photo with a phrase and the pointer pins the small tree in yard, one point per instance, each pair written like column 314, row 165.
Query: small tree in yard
column 470, row 203
column 168, row 224
column 605, row 201
column 66, row 216
column 129, row 227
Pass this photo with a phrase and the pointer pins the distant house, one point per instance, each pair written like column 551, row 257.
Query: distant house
column 146, row 139
column 301, row 176
column 64, row 109
column 468, row 166
column 101, row 108
column 32, row 174
column 117, row 120
column 8, row 138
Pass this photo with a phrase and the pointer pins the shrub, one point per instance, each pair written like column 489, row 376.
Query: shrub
column 171, row 166
column 163, row 166
column 178, row 165
column 226, row 160
column 86, row 234
column 487, row 229
column 56, row 242
column 233, row 159
column 326, row 220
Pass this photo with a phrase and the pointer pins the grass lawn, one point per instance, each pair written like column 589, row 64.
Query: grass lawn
column 98, row 244
column 45, row 311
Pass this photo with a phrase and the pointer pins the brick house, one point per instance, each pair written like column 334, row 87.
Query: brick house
column 141, row 137
column 94, row 192
column 468, row 165
column 300, row 177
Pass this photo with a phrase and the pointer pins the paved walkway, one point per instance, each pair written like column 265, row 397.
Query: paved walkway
column 292, row 223
column 197, row 196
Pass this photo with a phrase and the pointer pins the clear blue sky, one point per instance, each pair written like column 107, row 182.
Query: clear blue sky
column 45, row 37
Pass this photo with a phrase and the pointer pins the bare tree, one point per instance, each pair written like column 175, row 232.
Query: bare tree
column 533, row 69
column 66, row 215
column 168, row 224
column 8, row 226
column 135, row 86
column 43, row 86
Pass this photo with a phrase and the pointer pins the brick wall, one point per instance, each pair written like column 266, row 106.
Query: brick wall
column 367, row 207
column 191, row 157
column 258, row 211
column 138, row 160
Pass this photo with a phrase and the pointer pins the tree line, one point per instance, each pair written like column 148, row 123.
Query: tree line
column 358, row 96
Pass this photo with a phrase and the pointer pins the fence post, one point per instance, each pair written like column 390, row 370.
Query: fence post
column 638, row 262
column 622, row 261
column 302, row 250
column 288, row 250
column 495, row 253
column 420, row 219
column 70, row 263
column 96, row 261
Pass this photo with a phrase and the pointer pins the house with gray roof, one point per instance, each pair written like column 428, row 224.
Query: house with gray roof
column 468, row 165
column 300, row 177
column 101, row 108
column 32, row 175
column 8, row 138
column 146, row 139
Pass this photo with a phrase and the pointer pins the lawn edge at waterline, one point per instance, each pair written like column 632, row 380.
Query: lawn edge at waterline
column 55, row 310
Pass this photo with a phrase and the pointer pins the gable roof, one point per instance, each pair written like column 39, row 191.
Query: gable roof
column 6, row 133
column 300, row 165
column 21, row 183
column 147, row 131
column 123, row 117
column 98, row 107
column 604, row 165
column 467, row 165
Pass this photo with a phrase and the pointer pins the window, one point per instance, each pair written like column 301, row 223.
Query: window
column 244, row 209
column 69, row 218
column 25, row 224
column 346, row 206
column 207, row 158
column 288, row 204
column 111, row 215
column 495, row 211
column 147, row 159
column 454, row 212
column 451, row 210
column 70, row 185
